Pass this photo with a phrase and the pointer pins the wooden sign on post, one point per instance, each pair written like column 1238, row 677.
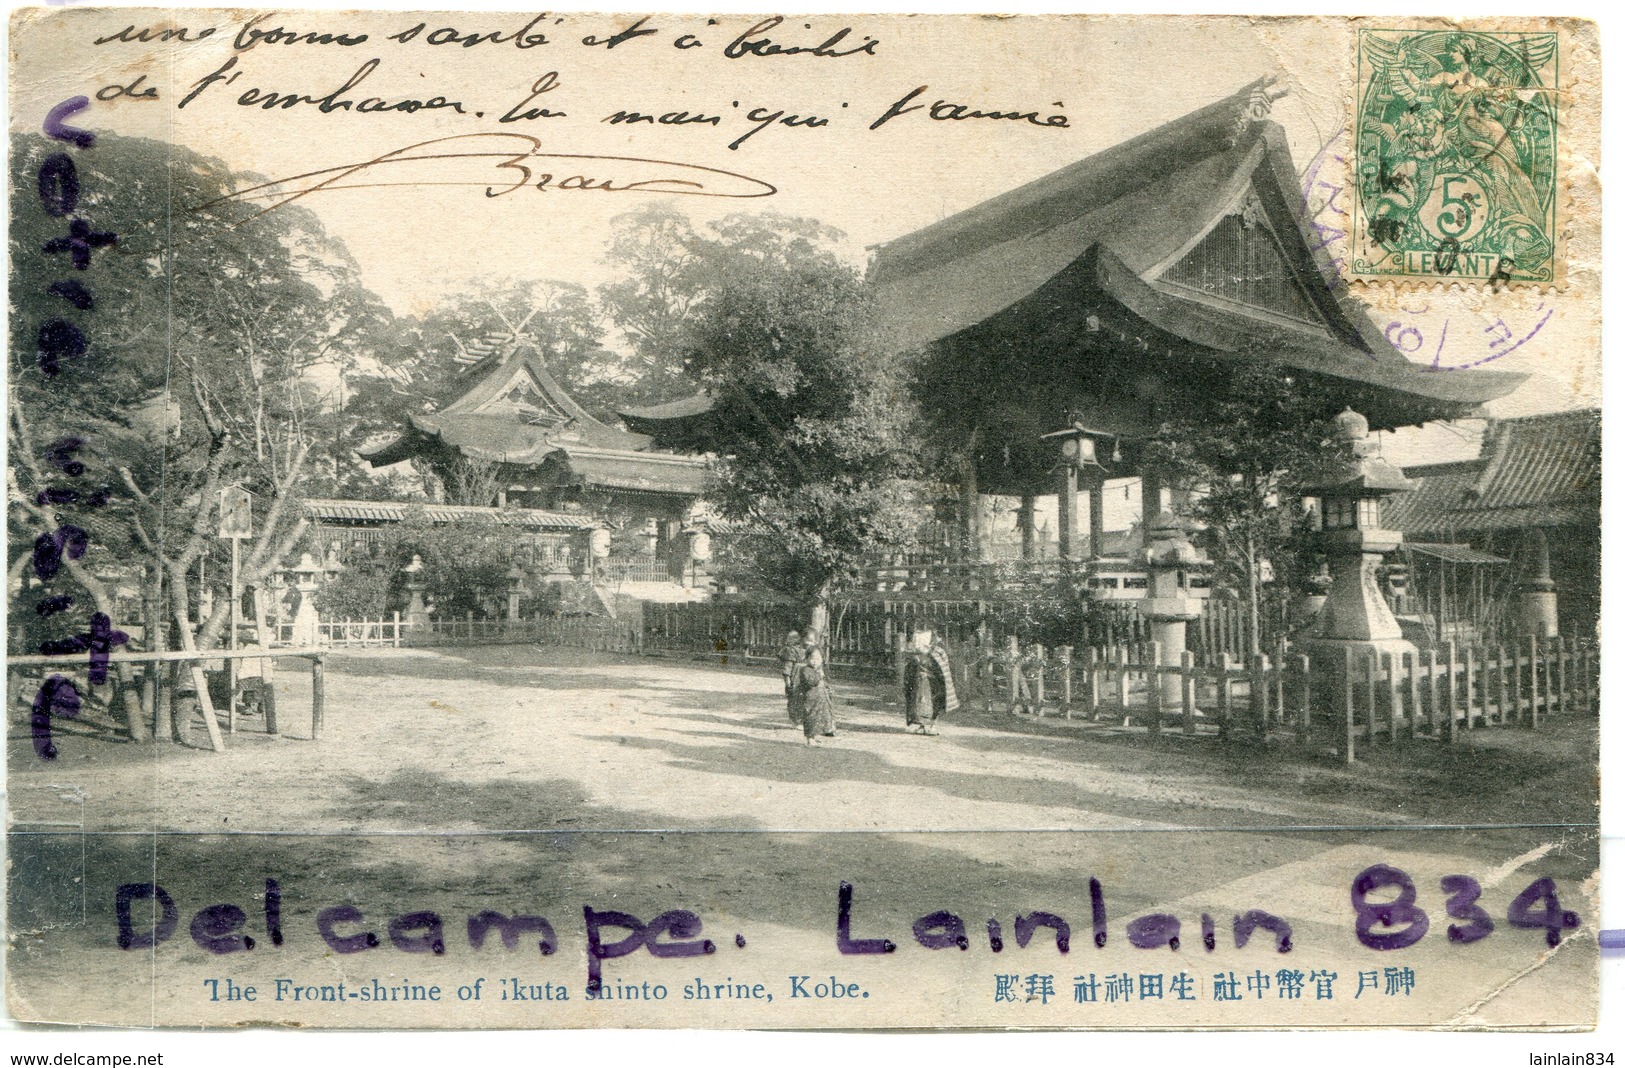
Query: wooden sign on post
column 236, row 523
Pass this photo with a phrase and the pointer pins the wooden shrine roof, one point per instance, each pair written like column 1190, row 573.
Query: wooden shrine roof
column 1536, row 471
column 517, row 413
column 1141, row 208
column 1100, row 293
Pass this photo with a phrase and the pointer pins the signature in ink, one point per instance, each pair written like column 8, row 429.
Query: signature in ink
column 502, row 163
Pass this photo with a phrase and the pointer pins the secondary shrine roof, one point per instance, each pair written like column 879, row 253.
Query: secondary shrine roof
column 517, row 413
column 1537, row 471
column 335, row 510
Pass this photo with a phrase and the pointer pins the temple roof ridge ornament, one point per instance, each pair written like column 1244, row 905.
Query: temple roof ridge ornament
column 1261, row 98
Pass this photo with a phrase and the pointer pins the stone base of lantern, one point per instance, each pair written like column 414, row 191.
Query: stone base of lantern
column 1168, row 630
column 1329, row 663
column 1539, row 613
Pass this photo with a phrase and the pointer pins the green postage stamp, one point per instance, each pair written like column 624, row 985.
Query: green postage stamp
column 1456, row 141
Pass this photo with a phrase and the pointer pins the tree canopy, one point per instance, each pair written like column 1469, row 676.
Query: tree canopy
column 1251, row 456
column 818, row 417
column 204, row 321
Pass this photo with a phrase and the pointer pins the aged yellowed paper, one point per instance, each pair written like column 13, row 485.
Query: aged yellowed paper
column 756, row 521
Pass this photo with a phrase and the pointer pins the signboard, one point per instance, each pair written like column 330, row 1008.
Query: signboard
column 236, row 513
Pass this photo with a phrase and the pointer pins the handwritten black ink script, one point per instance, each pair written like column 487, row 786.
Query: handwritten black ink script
column 502, row 163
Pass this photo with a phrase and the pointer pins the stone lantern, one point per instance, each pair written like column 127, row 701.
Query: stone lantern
column 1538, row 593
column 1356, row 615
column 699, row 555
column 307, row 580
column 1170, row 604
column 1313, row 598
column 417, row 614
column 518, row 589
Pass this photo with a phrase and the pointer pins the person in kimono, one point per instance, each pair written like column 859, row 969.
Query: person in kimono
column 791, row 655
column 817, row 704
column 928, row 683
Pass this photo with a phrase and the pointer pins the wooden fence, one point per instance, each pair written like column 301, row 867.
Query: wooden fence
column 863, row 634
column 139, row 703
column 1440, row 694
column 393, row 632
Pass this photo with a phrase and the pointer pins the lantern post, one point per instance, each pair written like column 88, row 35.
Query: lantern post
column 1355, row 616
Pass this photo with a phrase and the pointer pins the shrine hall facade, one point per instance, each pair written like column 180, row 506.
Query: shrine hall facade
column 1061, row 322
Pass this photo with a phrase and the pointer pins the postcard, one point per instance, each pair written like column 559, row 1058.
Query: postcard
column 829, row 522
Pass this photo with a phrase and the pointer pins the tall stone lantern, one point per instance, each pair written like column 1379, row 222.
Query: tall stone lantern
column 1170, row 560
column 699, row 556
column 1538, row 593
column 417, row 613
column 518, row 589
column 1356, row 615
column 307, row 582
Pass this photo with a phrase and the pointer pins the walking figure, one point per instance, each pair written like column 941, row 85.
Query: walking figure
column 928, row 683
column 812, row 697
column 791, row 656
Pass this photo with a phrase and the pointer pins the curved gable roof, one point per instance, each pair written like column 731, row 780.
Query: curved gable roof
column 1142, row 204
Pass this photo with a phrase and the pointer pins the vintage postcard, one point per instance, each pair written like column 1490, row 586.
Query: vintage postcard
column 561, row 520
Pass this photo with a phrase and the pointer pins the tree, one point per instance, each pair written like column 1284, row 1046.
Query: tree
column 205, row 322
column 672, row 271
column 1250, row 454
column 815, row 416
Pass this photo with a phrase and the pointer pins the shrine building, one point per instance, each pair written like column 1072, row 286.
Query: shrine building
column 547, row 454
column 1061, row 322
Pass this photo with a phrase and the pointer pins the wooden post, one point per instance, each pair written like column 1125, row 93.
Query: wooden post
column 1517, row 686
column 1063, row 655
column 1534, row 681
column 231, row 644
column 1500, row 673
column 1582, row 668
column 1562, row 674
column 1371, row 697
column 1223, row 695
column 1306, row 696
column 1430, row 672
column 1280, row 681
column 1154, row 687
column 396, row 620
column 1470, row 657
column 318, row 696
column 1390, row 663
column 1122, row 682
column 1348, row 706
column 1038, row 682
column 1092, row 684
column 1547, row 681
column 1187, row 692
column 1450, row 690
column 268, row 696
column 1412, row 664
column 1012, row 652
column 1258, row 697
column 206, row 705
column 900, row 661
